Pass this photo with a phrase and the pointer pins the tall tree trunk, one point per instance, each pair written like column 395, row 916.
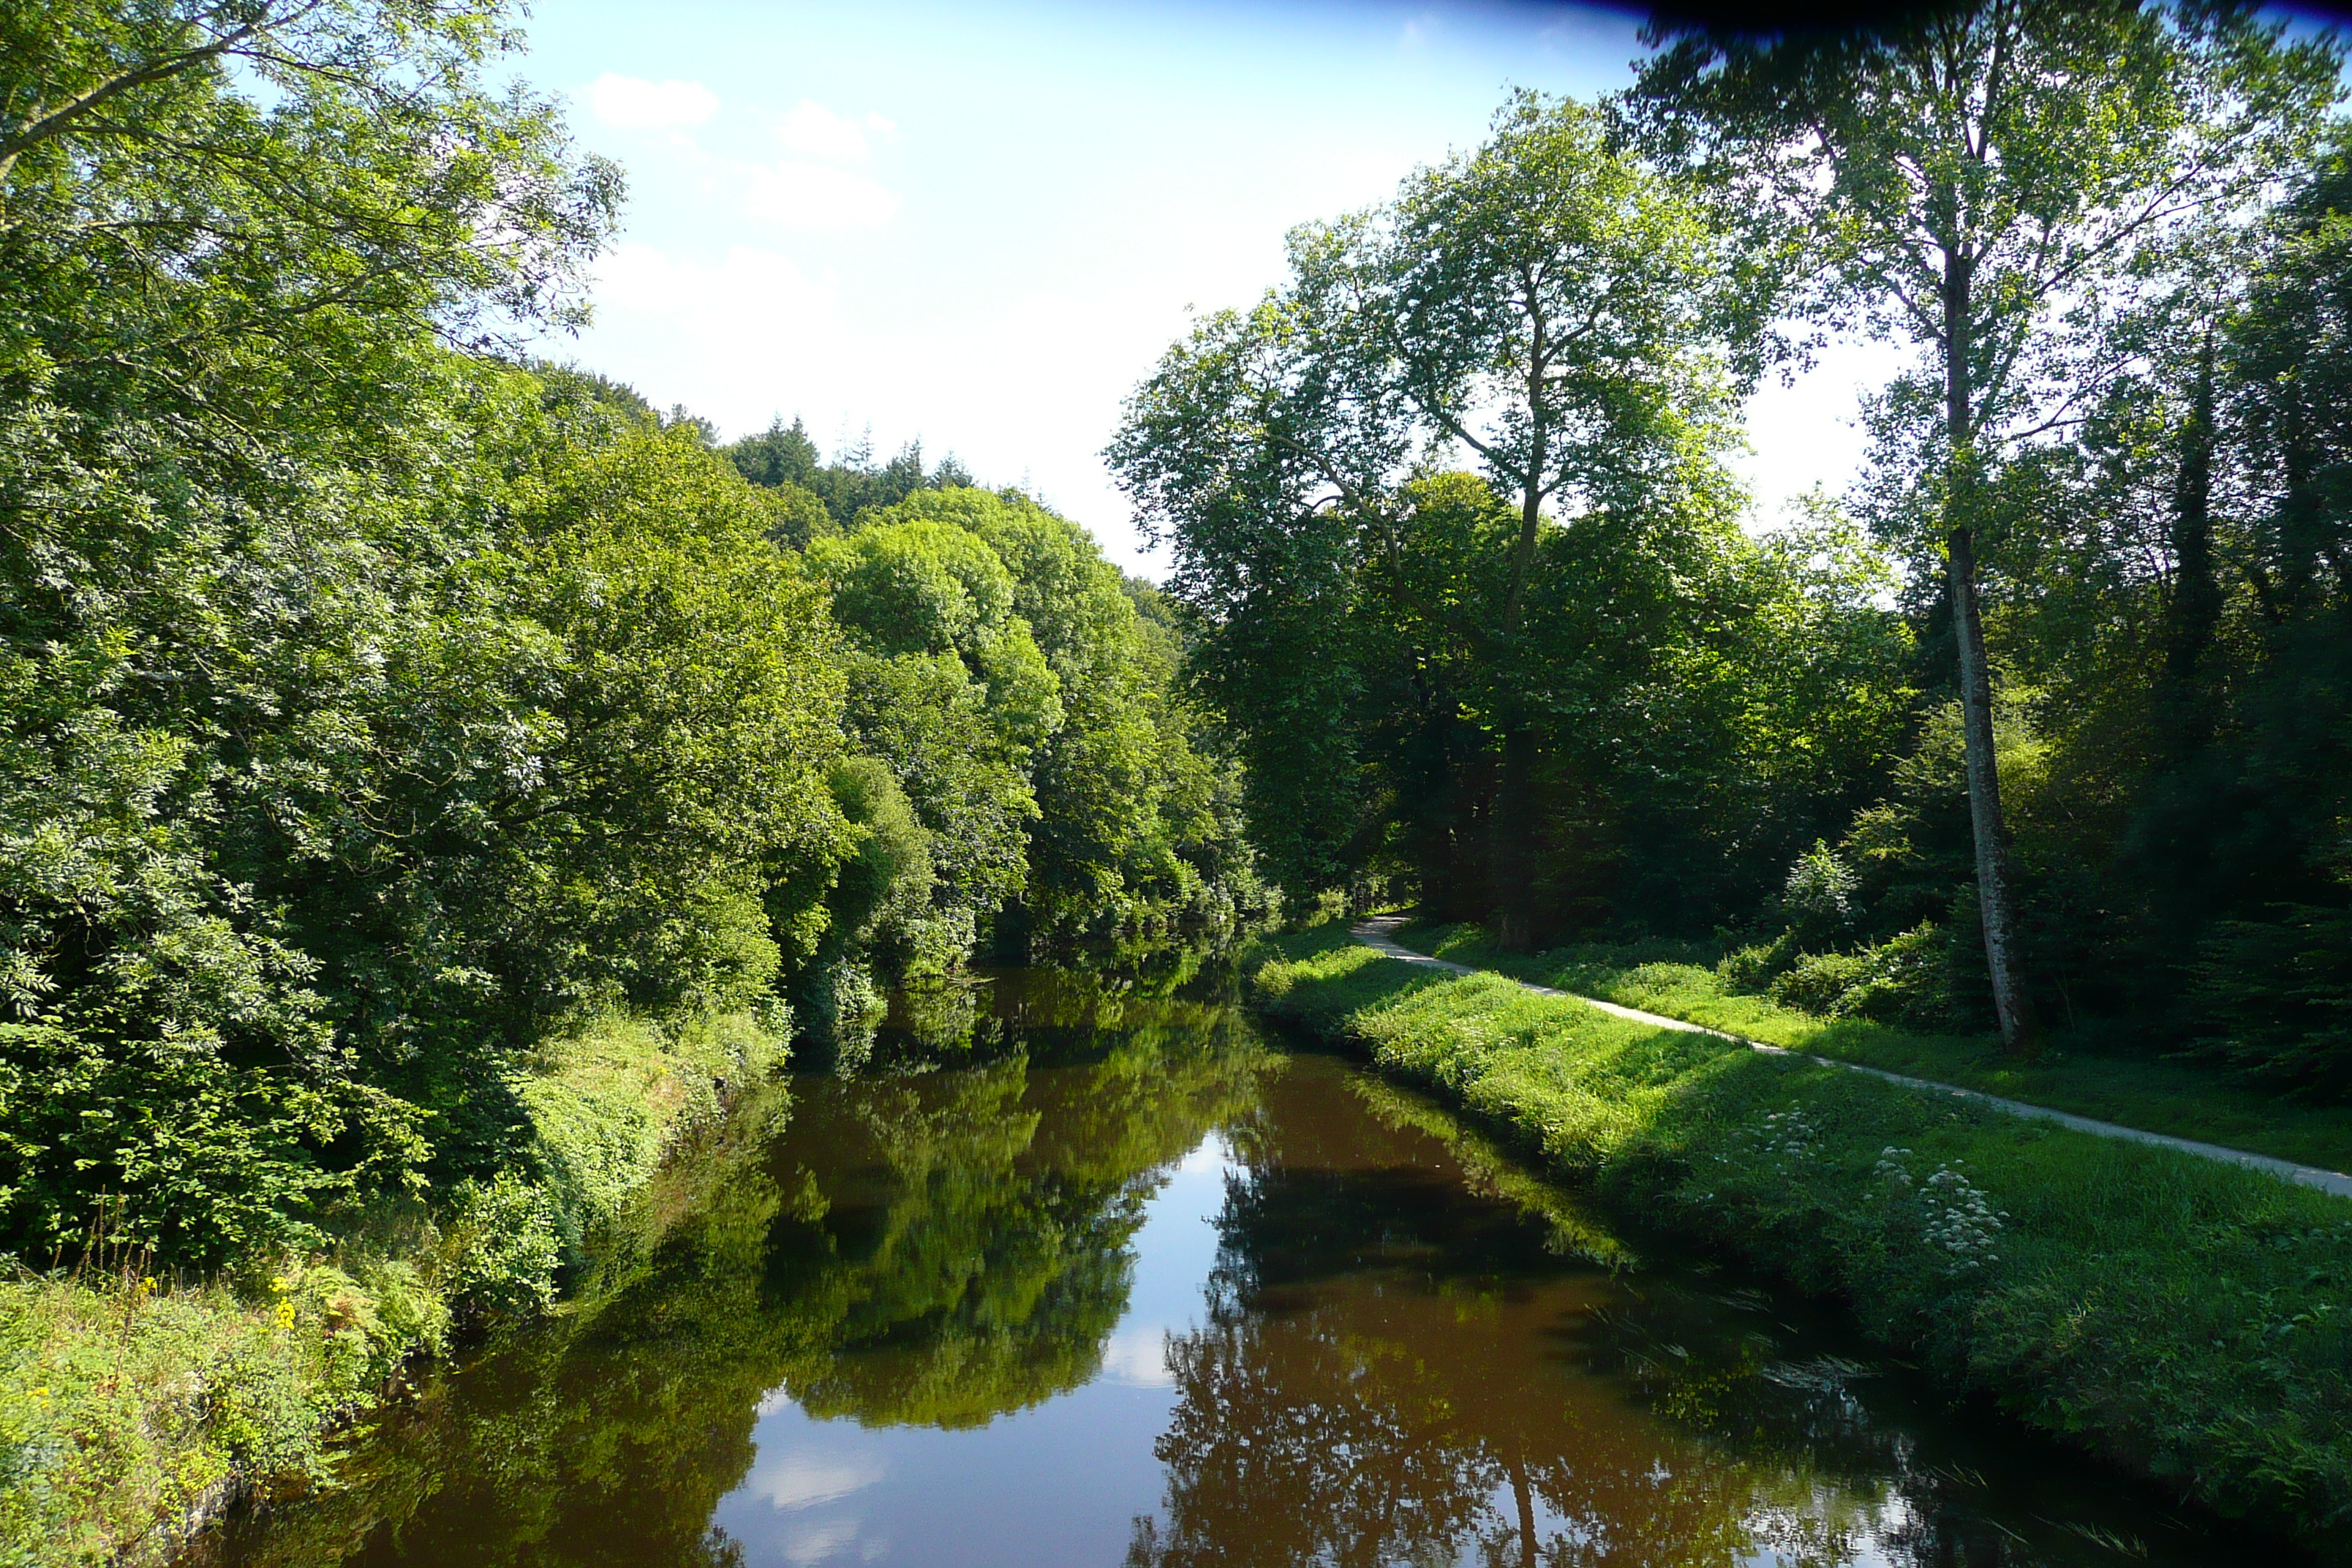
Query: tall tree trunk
column 2196, row 608
column 1514, row 841
column 1514, row 838
column 1996, row 896
column 1525, row 1495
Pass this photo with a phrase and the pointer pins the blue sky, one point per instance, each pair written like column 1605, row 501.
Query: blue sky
column 980, row 226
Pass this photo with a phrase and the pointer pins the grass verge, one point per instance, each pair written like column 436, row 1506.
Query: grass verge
column 2180, row 1318
column 131, row 1411
column 2135, row 1091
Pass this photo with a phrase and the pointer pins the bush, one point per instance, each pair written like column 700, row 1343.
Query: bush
column 1899, row 980
column 126, row 1406
column 1821, row 983
column 1752, row 969
column 1818, row 895
column 126, row 1410
column 502, row 1245
column 2279, row 995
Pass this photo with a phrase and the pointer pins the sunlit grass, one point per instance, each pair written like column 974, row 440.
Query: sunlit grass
column 130, row 1403
column 2154, row 1095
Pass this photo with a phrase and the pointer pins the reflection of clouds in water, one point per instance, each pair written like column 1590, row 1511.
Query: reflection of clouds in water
column 1138, row 1358
column 1815, row 1522
column 797, row 1478
column 813, row 1543
column 1209, row 1154
column 816, row 1542
column 1173, row 1249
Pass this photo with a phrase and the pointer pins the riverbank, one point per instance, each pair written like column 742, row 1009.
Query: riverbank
column 2174, row 1099
column 2178, row 1318
column 133, row 1410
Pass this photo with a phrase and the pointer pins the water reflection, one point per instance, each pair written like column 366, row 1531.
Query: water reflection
column 1398, row 1368
column 1082, row 1272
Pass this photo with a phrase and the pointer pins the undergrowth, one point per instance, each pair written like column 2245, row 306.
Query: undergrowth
column 2180, row 1317
column 132, row 1408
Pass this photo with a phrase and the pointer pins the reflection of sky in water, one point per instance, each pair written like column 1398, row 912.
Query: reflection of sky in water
column 1069, row 1476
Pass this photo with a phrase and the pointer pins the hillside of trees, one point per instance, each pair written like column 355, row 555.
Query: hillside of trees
column 377, row 701
column 2046, row 724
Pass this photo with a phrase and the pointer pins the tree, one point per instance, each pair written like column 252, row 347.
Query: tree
column 780, row 455
column 1547, row 310
column 1974, row 176
column 280, row 192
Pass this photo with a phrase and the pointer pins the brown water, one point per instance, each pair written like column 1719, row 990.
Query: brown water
column 1131, row 1284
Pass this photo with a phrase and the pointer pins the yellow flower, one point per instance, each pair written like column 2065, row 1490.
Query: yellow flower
column 284, row 1314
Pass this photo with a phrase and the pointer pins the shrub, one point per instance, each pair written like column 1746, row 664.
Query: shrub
column 1818, row 895
column 2279, row 994
column 1821, row 983
column 1899, row 980
column 1753, row 968
column 502, row 1245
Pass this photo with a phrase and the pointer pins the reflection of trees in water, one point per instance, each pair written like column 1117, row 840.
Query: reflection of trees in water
column 1394, row 1367
column 1318, row 1438
column 1363, row 1393
column 1161, row 995
column 606, row 1436
column 936, row 1248
column 957, row 1245
column 1396, row 1370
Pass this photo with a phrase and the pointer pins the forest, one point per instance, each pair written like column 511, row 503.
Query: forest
column 2044, row 726
column 381, row 701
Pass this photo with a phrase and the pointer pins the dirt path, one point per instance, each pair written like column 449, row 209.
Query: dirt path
column 1374, row 933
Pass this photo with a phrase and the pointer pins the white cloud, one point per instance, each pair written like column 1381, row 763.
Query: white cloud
column 817, row 131
column 814, row 1543
column 636, row 104
column 817, row 197
column 641, row 278
column 795, row 1480
column 738, row 340
column 1139, row 1357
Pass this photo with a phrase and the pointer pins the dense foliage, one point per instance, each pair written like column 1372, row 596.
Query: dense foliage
column 2045, row 720
column 1562, row 690
column 376, row 706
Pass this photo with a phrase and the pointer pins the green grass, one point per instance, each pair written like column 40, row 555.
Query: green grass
column 2184, row 1319
column 132, row 1409
column 2153, row 1095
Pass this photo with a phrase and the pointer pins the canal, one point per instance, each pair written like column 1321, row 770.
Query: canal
column 1087, row 1268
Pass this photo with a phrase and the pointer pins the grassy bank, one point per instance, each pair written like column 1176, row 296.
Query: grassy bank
column 2073, row 1074
column 132, row 1409
column 2180, row 1318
